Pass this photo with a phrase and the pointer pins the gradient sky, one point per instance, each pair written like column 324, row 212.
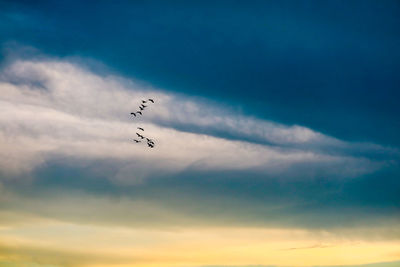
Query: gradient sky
column 276, row 125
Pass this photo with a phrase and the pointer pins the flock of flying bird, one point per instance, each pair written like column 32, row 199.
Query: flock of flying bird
column 150, row 142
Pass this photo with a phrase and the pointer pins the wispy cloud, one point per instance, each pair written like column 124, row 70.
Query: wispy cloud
column 55, row 108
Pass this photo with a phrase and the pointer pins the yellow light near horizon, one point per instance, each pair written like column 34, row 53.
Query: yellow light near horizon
column 85, row 245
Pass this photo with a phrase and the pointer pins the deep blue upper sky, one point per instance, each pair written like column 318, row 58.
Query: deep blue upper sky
column 328, row 65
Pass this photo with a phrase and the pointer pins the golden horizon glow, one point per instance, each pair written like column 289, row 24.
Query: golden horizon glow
column 65, row 244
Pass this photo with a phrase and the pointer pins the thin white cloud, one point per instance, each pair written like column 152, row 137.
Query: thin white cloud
column 57, row 108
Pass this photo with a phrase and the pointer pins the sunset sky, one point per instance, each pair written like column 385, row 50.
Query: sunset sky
column 276, row 129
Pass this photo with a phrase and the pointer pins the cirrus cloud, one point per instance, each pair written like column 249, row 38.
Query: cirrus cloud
column 57, row 108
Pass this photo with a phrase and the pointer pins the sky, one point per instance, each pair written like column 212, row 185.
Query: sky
column 275, row 125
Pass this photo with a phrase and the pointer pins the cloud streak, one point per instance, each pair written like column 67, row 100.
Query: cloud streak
column 55, row 108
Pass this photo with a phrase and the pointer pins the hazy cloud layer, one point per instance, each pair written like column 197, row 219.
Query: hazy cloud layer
column 53, row 108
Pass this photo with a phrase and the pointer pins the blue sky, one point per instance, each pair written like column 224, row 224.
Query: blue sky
column 277, row 114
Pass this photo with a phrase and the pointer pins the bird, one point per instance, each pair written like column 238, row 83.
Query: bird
column 139, row 135
column 133, row 113
column 150, row 145
column 139, row 112
column 143, row 101
column 149, row 140
column 140, row 128
column 137, row 141
column 151, row 100
column 141, row 108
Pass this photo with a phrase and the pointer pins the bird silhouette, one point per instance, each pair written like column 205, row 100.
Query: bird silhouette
column 150, row 142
